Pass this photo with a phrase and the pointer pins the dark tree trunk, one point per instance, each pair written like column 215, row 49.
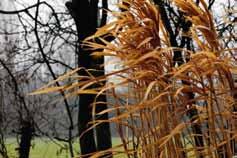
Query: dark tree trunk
column 27, row 131
column 79, row 10
column 84, row 13
column 103, row 133
column 87, row 141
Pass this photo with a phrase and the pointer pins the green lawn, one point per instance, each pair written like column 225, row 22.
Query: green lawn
column 44, row 148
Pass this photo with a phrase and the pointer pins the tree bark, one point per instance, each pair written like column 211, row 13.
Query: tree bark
column 27, row 131
column 85, row 16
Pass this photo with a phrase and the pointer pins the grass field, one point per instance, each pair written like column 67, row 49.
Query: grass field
column 44, row 148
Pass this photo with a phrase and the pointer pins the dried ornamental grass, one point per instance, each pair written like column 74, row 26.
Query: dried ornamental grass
column 151, row 116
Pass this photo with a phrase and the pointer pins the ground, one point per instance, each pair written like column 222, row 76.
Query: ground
column 45, row 148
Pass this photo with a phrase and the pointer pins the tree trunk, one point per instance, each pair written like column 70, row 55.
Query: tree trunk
column 85, row 16
column 103, row 133
column 87, row 141
column 26, row 137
